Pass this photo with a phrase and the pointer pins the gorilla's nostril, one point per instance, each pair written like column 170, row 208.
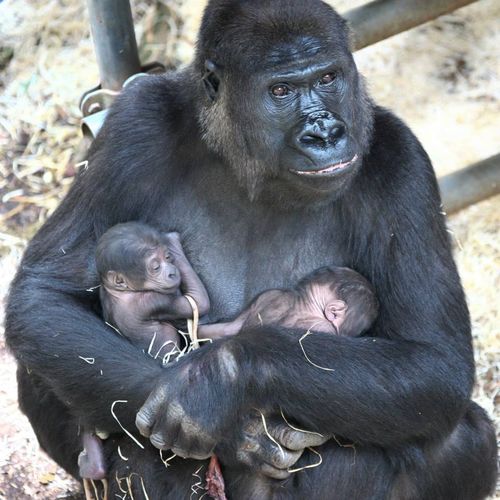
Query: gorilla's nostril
column 337, row 132
column 311, row 140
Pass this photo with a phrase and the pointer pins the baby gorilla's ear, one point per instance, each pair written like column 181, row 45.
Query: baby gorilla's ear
column 335, row 312
column 116, row 280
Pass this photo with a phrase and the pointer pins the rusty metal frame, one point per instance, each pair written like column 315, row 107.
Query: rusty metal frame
column 381, row 19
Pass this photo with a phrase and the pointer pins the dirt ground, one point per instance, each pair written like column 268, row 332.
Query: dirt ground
column 442, row 78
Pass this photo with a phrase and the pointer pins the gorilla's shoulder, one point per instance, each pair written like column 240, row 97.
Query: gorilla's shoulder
column 155, row 98
column 397, row 164
column 389, row 129
column 395, row 145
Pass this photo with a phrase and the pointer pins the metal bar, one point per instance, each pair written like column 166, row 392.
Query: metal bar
column 471, row 184
column 382, row 19
column 114, row 41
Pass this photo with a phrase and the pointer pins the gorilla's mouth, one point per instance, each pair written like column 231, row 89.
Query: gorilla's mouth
column 328, row 170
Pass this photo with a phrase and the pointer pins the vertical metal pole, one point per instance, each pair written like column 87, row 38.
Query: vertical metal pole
column 114, row 41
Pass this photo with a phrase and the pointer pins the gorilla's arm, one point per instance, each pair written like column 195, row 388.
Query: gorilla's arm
column 409, row 379
column 55, row 335
column 52, row 325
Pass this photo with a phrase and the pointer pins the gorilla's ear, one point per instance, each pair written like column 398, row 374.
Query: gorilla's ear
column 335, row 312
column 211, row 79
column 116, row 280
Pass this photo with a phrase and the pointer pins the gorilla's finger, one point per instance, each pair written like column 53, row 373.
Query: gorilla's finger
column 165, row 432
column 144, row 421
column 196, row 454
column 158, row 442
column 253, row 461
column 147, row 415
column 186, row 445
column 295, row 439
column 273, row 472
column 278, row 457
column 180, row 452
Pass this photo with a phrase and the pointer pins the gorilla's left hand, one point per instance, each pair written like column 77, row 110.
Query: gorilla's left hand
column 179, row 413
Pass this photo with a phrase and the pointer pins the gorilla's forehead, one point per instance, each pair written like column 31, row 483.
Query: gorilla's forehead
column 289, row 51
column 301, row 52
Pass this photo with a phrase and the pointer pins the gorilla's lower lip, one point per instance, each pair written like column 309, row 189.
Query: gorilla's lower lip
column 330, row 169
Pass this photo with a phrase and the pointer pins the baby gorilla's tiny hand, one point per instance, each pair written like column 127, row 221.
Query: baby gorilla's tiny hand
column 173, row 242
column 173, row 237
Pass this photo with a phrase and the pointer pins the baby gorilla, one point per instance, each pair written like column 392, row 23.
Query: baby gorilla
column 333, row 300
column 145, row 278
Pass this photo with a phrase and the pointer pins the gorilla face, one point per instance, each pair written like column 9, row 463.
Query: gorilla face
column 307, row 108
column 297, row 124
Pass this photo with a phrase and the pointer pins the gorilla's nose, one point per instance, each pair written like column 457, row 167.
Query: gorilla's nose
column 321, row 129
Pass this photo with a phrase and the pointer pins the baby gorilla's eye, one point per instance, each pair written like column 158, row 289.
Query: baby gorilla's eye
column 168, row 257
column 155, row 265
column 280, row 90
column 327, row 79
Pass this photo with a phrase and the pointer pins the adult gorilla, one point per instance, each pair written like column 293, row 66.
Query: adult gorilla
column 268, row 157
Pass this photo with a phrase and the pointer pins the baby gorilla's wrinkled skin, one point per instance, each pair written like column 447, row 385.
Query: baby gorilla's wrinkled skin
column 333, row 300
column 145, row 276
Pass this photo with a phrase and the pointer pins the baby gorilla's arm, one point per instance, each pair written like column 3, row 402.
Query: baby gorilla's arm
column 190, row 282
column 220, row 330
column 267, row 308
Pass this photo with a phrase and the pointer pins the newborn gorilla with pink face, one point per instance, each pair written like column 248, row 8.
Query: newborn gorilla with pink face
column 333, row 300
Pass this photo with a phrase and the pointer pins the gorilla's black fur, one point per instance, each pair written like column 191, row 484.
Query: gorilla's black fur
column 268, row 157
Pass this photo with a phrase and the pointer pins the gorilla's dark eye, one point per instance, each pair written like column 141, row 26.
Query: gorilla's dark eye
column 280, row 90
column 327, row 79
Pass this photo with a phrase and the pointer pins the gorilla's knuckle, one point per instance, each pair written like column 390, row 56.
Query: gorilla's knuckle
column 158, row 441
column 278, row 457
column 176, row 413
column 283, row 435
column 143, row 423
column 180, row 452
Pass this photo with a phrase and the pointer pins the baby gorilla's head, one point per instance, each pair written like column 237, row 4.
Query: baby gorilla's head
column 135, row 257
column 347, row 300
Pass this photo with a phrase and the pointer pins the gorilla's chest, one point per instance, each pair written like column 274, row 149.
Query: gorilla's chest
column 240, row 252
